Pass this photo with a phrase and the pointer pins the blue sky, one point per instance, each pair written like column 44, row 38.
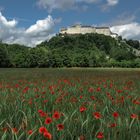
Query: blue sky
column 30, row 22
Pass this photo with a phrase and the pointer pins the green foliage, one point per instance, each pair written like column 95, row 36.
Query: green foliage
column 4, row 58
column 38, row 57
column 17, row 55
column 133, row 43
column 88, row 50
column 121, row 54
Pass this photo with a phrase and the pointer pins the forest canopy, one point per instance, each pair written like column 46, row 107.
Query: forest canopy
column 88, row 50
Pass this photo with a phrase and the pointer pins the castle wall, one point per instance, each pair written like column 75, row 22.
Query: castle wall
column 78, row 29
column 105, row 31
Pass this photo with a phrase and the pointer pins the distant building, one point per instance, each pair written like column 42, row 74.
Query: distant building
column 79, row 29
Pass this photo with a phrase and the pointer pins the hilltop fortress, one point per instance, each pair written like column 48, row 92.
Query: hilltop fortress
column 79, row 29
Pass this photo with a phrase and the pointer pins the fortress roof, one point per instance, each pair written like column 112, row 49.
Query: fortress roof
column 102, row 27
column 87, row 26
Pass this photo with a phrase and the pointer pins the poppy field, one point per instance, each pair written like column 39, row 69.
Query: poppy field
column 69, row 104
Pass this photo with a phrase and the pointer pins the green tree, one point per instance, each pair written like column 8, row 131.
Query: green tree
column 38, row 57
column 4, row 58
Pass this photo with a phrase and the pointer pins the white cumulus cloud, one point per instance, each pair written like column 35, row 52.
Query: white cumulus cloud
column 41, row 26
column 50, row 5
column 112, row 2
column 109, row 3
column 4, row 22
column 128, row 31
column 35, row 34
column 55, row 4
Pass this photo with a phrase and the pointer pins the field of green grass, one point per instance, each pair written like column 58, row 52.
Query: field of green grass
column 70, row 104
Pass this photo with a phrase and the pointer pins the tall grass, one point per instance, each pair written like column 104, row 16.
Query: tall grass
column 90, row 103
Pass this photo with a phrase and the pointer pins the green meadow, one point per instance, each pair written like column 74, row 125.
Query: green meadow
column 70, row 104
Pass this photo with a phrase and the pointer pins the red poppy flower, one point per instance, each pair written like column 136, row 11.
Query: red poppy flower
column 134, row 116
column 25, row 89
column 17, row 85
column 48, row 120
column 90, row 89
column 119, row 91
column 45, row 101
column 92, row 97
column 42, row 129
column 47, row 135
column 60, row 127
column 115, row 114
column 82, row 137
column 42, row 114
column 14, row 130
column 37, row 96
column 100, row 135
column 56, row 115
column 30, row 132
column 98, row 89
column 81, row 97
column 82, row 109
column 97, row 115
column 136, row 102
column 43, row 92
column 51, row 87
column 113, row 125
column 52, row 92
column 5, row 129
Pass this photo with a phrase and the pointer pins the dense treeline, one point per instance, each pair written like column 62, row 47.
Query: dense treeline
column 89, row 50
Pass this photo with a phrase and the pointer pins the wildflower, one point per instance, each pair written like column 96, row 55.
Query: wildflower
column 81, row 89
column 90, row 89
column 92, row 97
column 30, row 132
column 113, row 125
column 136, row 102
column 48, row 120
column 47, row 135
column 98, row 89
column 81, row 97
column 30, row 102
column 134, row 116
column 82, row 137
column 42, row 114
column 42, row 129
column 60, row 127
column 37, row 96
column 40, row 111
column 52, row 92
column 45, row 101
column 100, row 135
column 25, row 89
column 5, row 129
column 56, row 115
column 97, row 115
column 14, row 130
column 43, row 92
column 111, row 85
column 119, row 91
column 51, row 87
column 82, row 109
column 16, row 85
column 115, row 114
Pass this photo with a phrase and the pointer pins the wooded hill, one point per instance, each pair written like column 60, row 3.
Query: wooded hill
column 88, row 50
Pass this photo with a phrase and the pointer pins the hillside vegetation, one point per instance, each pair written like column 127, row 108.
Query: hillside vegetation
column 89, row 50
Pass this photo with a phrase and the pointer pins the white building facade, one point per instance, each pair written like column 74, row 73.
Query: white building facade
column 79, row 29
